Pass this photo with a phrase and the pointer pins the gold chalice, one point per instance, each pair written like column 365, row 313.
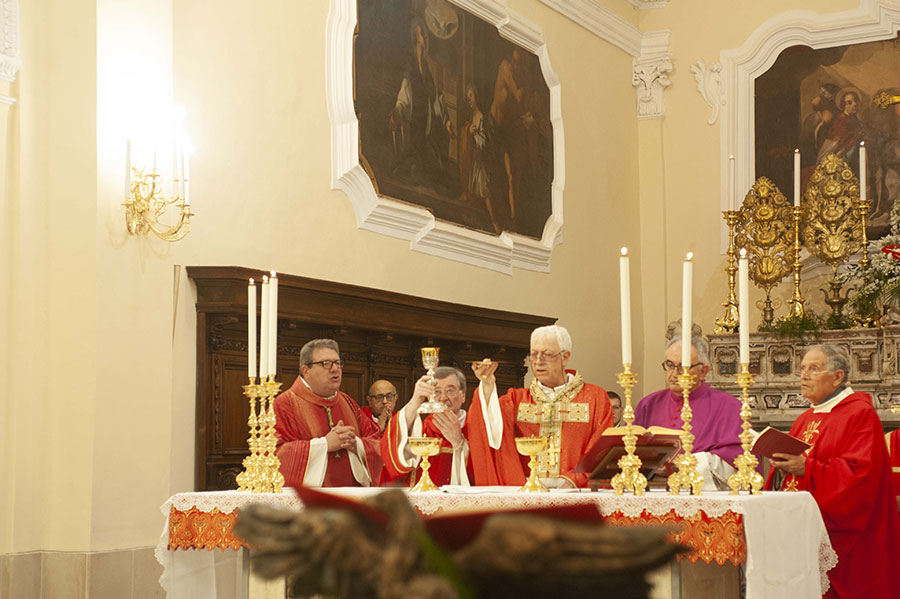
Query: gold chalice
column 532, row 446
column 430, row 362
column 424, row 447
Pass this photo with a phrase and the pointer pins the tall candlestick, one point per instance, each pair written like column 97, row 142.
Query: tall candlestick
column 273, row 322
column 183, row 174
column 625, row 296
column 251, row 330
column 796, row 177
column 264, row 330
column 732, row 203
column 687, row 324
column 187, row 176
column 744, row 306
column 128, row 168
column 862, row 171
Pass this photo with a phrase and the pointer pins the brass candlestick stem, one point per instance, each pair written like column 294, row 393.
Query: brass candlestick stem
column 687, row 476
column 796, row 300
column 862, row 209
column 630, row 478
column 728, row 323
column 247, row 479
column 272, row 480
column 746, row 478
column 262, row 467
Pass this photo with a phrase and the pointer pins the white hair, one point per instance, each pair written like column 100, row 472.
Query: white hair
column 560, row 334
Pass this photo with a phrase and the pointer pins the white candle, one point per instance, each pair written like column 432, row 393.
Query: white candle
column 862, row 171
column 796, row 177
column 128, row 168
column 251, row 330
column 187, row 176
column 732, row 199
column 744, row 306
column 183, row 173
column 625, row 296
column 264, row 330
column 686, row 322
column 273, row 323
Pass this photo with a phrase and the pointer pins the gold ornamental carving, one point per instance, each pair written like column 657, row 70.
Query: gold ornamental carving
column 765, row 229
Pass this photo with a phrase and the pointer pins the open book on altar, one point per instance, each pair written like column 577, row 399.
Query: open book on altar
column 772, row 441
column 657, row 447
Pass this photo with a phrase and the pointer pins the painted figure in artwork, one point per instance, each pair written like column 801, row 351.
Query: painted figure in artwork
column 474, row 155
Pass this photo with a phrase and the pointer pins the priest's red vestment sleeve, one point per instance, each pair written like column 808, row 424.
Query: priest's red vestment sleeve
column 849, row 475
column 302, row 416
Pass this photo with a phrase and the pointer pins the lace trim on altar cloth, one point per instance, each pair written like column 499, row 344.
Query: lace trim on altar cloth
column 828, row 559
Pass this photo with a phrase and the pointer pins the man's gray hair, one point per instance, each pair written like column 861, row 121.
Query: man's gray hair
column 442, row 372
column 560, row 334
column 837, row 358
column 306, row 352
column 700, row 343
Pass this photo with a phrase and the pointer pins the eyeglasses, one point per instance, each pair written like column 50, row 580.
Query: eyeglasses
column 669, row 366
column 544, row 356
column 811, row 372
column 384, row 396
column 448, row 392
column 326, row 364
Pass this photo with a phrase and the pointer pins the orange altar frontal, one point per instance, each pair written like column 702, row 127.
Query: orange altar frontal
column 779, row 538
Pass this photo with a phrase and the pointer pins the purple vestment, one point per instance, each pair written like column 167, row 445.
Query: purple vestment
column 716, row 421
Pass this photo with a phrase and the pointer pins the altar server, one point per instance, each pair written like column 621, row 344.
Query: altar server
column 558, row 404
column 324, row 439
column 848, row 472
column 451, row 466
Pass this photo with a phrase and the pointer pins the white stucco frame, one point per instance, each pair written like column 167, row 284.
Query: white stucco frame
column 10, row 61
column 396, row 219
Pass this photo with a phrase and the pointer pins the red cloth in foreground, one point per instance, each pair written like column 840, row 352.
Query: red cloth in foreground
column 505, row 466
column 301, row 416
column 441, row 464
column 893, row 443
column 848, row 473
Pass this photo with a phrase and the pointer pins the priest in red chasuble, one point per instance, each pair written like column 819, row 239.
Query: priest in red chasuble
column 382, row 398
column 324, row 439
column 848, row 472
column 451, row 466
column 558, row 404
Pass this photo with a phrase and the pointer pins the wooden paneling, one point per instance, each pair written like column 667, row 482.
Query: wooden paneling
column 379, row 333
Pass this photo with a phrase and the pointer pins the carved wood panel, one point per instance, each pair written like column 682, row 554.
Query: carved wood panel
column 379, row 334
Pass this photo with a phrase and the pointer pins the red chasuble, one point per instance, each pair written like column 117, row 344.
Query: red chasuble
column 301, row 416
column 395, row 473
column 893, row 443
column 574, row 422
column 849, row 475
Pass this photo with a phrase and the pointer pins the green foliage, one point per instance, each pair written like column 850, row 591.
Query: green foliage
column 810, row 324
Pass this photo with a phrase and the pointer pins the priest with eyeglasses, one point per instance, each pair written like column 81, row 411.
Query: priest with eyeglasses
column 324, row 438
column 558, row 404
column 716, row 421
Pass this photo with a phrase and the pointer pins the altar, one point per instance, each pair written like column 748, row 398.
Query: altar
column 778, row 538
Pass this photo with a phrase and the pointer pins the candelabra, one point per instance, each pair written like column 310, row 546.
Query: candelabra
column 630, row 478
column 261, row 468
column 729, row 322
column 746, row 478
column 145, row 204
column 797, row 300
column 862, row 209
column 687, row 476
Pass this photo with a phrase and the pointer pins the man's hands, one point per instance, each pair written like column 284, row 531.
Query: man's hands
column 485, row 370
column 341, row 437
column 421, row 393
column 386, row 412
column 448, row 424
column 792, row 464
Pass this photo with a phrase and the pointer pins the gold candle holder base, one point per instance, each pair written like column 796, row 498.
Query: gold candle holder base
column 424, row 447
column 262, row 472
column 533, row 447
column 687, row 476
column 746, row 478
column 630, row 478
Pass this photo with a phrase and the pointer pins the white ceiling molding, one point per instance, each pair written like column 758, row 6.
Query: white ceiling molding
column 710, row 85
column 651, row 74
column 648, row 4
column 397, row 219
column 10, row 62
column 602, row 22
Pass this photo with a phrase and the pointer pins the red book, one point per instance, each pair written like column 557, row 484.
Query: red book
column 772, row 441
column 657, row 446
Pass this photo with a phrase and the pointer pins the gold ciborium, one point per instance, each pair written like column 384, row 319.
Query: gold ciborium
column 532, row 446
column 424, row 447
column 430, row 362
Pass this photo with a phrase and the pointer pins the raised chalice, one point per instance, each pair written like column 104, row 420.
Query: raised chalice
column 424, row 447
column 532, row 446
column 430, row 362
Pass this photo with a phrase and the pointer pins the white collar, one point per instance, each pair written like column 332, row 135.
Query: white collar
column 826, row 406
column 333, row 395
column 552, row 392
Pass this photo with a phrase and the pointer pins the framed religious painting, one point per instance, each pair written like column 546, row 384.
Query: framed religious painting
column 822, row 102
column 458, row 136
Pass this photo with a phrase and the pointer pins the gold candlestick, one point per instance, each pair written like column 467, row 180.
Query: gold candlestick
column 630, row 478
column 729, row 322
column 796, row 300
column 272, row 479
column 424, row 447
column 247, row 479
column 746, row 478
column 687, row 476
column 532, row 446
column 862, row 209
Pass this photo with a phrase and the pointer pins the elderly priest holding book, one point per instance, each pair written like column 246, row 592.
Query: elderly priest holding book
column 848, row 472
column 716, row 415
column 558, row 404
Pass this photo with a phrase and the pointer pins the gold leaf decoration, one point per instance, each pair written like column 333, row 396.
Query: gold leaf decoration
column 831, row 227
